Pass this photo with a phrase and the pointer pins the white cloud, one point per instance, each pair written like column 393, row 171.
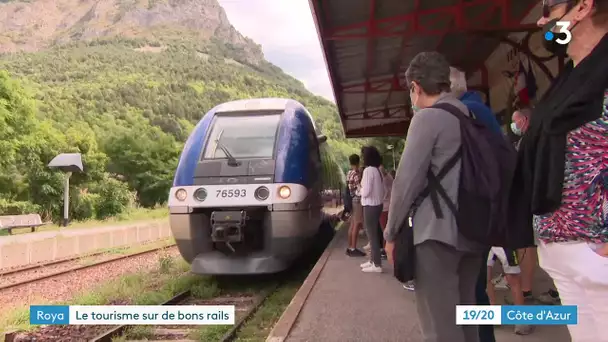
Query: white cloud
column 287, row 33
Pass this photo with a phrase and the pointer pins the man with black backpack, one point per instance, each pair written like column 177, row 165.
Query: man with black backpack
column 454, row 191
column 475, row 104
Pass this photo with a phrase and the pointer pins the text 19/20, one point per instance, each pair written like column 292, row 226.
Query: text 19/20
column 478, row 314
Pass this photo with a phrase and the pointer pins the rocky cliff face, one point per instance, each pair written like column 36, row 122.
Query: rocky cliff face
column 32, row 25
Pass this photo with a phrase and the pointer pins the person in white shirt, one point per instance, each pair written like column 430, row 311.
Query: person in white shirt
column 387, row 180
column 372, row 197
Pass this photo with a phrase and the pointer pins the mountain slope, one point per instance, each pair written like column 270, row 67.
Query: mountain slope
column 127, row 104
column 23, row 28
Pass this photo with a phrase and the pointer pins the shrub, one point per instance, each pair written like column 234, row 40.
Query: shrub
column 83, row 206
column 114, row 198
column 18, row 207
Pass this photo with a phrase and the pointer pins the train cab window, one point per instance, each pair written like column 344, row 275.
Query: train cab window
column 242, row 136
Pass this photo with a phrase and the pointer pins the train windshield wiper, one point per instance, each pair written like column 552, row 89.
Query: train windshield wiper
column 231, row 160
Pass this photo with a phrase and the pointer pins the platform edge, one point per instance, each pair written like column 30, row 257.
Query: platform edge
column 282, row 328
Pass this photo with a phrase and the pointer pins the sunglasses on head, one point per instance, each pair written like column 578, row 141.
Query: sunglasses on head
column 548, row 4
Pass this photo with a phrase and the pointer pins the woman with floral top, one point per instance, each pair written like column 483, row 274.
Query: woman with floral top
column 561, row 183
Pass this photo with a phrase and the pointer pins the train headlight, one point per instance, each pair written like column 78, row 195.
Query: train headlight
column 261, row 193
column 284, row 192
column 200, row 194
column 181, row 195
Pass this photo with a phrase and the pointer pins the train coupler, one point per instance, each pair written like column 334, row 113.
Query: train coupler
column 227, row 226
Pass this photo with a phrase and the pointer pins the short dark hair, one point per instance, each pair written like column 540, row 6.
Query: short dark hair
column 371, row 156
column 431, row 71
column 354, row 159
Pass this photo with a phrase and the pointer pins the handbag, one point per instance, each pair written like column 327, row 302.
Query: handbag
column 404, row 254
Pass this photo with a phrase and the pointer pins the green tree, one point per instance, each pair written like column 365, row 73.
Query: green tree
column 128, row 113
column 146, row 159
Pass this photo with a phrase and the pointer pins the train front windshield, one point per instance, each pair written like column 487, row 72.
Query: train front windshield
column 242, row 136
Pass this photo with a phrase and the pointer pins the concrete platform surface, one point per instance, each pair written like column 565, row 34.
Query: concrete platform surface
column 345, row 304
column 25, row 249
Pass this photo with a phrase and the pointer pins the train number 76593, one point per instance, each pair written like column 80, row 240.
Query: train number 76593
column 230, row 193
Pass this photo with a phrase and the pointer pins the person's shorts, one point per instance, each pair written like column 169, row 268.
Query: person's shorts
column 507, row 257
column 357, row 214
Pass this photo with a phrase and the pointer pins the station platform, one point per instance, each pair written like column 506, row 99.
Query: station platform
column 47, row 246
column 338, row 302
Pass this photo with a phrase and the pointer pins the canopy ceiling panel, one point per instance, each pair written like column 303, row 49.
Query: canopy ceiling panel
column 368, row 44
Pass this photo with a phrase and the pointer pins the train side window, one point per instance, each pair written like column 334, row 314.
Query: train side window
column 314, row 157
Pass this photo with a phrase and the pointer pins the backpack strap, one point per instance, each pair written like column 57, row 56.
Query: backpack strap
column 452, row 110
column 435, row 188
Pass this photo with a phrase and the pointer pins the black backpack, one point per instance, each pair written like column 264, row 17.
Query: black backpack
column 348, row 200
column 486, row 175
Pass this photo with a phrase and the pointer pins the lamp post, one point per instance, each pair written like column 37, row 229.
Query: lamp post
column 68, row 163
column 392, row 148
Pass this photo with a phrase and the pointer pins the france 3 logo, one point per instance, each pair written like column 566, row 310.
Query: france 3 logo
column 563, row 36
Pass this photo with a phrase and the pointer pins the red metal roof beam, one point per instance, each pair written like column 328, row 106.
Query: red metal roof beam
column 376, row 110
column 395, row 84
column 456, row 12
column 369, row 54
column 399, row 19
column 392, row 82
column 396, row 129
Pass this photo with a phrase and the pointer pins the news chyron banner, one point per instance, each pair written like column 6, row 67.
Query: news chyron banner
column 132, row 314
column 516, row 314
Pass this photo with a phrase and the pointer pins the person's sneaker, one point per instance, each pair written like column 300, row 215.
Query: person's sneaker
column 383, row 255
column 409, row 286
column 500, row 282
column 550, row 298
column 372, row 269
column 355, row 252
column 523, row 329
column 366, row 264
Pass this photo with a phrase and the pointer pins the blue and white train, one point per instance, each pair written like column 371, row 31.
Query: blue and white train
column 246, row 198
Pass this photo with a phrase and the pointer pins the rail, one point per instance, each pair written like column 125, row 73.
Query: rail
column 73, row 269
column 181, row 298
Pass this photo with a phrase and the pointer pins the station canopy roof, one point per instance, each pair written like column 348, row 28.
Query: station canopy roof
column 368, row 45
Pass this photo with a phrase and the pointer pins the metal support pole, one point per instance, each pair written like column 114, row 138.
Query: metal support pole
column 66, row 199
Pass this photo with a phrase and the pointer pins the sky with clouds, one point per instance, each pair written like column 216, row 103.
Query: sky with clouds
column 287, row 33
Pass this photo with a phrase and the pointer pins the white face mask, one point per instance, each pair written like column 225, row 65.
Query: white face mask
column 415, row 108
column 515, row 129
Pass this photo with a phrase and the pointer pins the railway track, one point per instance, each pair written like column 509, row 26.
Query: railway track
column 246, row 293
column 21, row 275
column 246, row 304
column 43, row 265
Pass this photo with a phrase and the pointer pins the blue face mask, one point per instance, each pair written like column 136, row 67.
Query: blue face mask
column 515, row 129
